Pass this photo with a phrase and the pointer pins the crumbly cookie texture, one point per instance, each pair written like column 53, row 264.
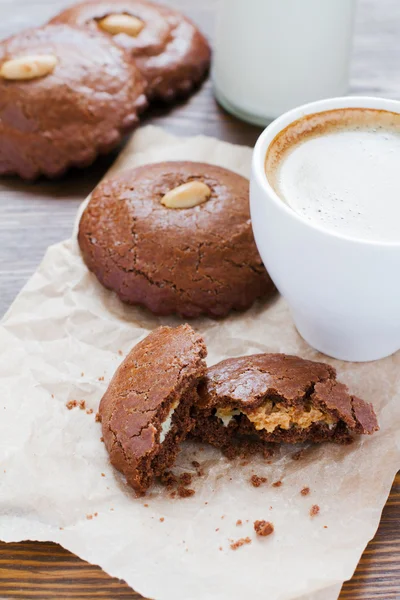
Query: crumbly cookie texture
column 66, row 95
column 169, row 50
column 190, row 258
column 278, row 398
column 145, row 412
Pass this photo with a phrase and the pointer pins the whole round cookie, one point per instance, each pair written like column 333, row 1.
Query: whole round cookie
column 66, row 95
column 168, row 48
column 175, row 237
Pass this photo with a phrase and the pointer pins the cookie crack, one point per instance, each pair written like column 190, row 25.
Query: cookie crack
column 257, row 270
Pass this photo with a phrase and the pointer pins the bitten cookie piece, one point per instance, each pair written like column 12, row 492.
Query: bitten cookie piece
column 145, row 412
column 66, row 95
column 278, row 398
column 175, row 237
column 169, row 50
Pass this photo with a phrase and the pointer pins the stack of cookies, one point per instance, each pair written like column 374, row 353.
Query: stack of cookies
column 71, row 89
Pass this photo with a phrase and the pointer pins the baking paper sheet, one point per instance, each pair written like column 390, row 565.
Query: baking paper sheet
column 62, row 340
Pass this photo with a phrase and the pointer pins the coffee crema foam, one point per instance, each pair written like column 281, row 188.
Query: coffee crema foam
column 340, row 169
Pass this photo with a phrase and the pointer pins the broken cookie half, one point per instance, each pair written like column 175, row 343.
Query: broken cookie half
column 145, row 412
column 277, row 398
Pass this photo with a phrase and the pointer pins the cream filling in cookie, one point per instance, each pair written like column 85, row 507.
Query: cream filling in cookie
column 226, row 415
column 167, row 424
column 269, row 416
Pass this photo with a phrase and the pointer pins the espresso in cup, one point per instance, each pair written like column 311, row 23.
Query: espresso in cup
column 340, row 170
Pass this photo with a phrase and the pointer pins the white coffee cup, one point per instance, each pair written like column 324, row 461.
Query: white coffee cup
column 343, row 293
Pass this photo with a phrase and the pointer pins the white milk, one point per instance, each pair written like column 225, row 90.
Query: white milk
column 272, row 55
column 346, row 181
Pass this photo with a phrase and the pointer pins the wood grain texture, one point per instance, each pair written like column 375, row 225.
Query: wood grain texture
column 34, row 216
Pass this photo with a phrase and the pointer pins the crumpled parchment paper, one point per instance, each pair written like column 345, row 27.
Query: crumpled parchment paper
column 62, row 340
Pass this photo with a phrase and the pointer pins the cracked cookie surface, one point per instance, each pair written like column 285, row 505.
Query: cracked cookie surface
column 169, row 50
column 80, row 109
column 278, row 398
column 190, row 261
column 145, row 412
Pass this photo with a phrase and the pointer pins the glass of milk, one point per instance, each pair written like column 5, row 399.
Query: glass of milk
column 273, row 55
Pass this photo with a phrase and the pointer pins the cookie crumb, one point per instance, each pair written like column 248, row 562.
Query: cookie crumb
column 277, row 484
column 82, row 404
column 101, row 378
column 120, row 352
column 185, row 479
column 89, row 411
column 71, row 404
column 52, row 395
column 325, row 526
column 82, row 374
column 239, row 543
column 256, row 481
column 103, row 474
column 98, row 418
column 305, row 491
column 96, row 514
column 298, row 455
column 239, row 522
column 314, row 510
column 198, row 467
column 168, row 479
column 220, row 548
column 89, row 517
column 102, row 439
column 146, row 505
column 267, row 453
column 161, row 519
column 61, row 528
column 263, row 528
column 185, row 492
column 217, row 529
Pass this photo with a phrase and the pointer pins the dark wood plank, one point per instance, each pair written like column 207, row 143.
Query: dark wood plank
column 34, row 216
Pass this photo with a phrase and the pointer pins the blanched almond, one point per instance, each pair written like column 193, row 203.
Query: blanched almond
column 187, row 195
column 120, row 23
column 28, row 67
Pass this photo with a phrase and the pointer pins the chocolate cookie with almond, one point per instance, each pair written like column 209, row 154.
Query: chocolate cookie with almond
column 66, row 96
column 278, row 398
column 145, row 412
column 169, row 50
column 175, row 237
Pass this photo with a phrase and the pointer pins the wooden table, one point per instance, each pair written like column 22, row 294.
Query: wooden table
column 35, row 216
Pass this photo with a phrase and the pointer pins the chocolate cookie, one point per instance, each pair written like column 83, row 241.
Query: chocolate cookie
column 145, row 412
column 66, row 95
column 175, row 237
column 169, row 50
column 278, row 398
